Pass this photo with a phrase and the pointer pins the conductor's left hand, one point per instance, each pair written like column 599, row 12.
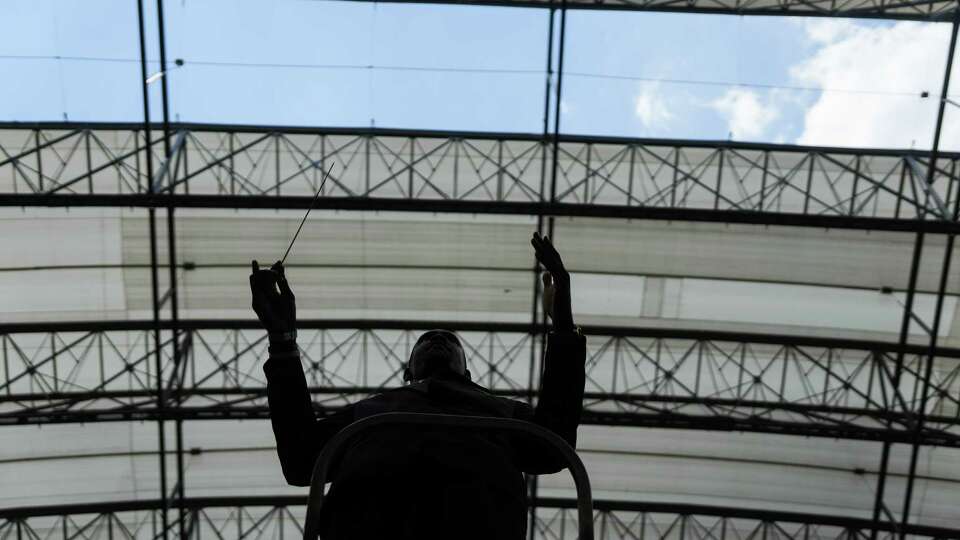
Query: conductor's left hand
column 556, row 283
column 273, row 301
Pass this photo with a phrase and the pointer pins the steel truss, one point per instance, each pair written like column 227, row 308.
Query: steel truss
column 282, row 516
column 918, row 10
column 166, row 369
column 87, row 372
column 235, row 166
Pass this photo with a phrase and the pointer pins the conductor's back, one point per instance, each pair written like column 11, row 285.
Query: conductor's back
column 418, row 482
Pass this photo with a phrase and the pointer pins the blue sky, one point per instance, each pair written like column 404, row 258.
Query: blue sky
column 630, row 74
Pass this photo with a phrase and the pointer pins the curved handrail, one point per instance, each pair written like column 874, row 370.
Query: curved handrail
column 335, row 447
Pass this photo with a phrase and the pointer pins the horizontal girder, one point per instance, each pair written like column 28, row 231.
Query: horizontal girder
column 258, row 516
column 103, row 371
column 917, row 10
column 433, row 171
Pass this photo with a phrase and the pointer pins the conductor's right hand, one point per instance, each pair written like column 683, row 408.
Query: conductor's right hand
column 273, row 300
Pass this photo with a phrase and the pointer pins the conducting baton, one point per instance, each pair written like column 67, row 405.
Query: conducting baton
column 304, row 220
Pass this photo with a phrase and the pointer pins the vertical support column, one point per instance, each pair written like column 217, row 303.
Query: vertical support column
column 908, row 311
column 532, row 484
column 6, row 364
column 172, row 267
column 53, row 361
column 941, row 290
column 86, row 141
column 903, row 179
column 233, row 174
column 589, row 173
column 763, row 179
column 276, row 161
column 323, row 163
column 556, row 111
column 457, row 143
column 499, row 170
column 853, row 191
column 555, row 158
column 716, row 197
column 36, row 142
column 366, row 164
column 410, row 170
column 676, row 177
column 155, row 295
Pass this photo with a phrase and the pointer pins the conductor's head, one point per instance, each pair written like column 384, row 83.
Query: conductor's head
column 436, row 352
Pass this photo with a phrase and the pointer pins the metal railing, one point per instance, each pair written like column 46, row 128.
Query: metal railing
column 335, row 448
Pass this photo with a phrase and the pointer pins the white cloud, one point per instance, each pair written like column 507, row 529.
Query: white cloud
column 650, row 107
column 903, row 57
column 747, row 116
column 828, row 30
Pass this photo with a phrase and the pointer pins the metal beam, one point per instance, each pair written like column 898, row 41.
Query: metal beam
column 927, row 187
column 622, row 420
column 443, row 134
column 857, row 285
column 684, row 379
column 941, row 293
column 623, row 178
column 916, row 10
column 506, row 208
column 798, row 340
column 917, row 175
column 154, row 282
column 856, row 526
column 162, row 180
column 532, row 482
column 168, row 173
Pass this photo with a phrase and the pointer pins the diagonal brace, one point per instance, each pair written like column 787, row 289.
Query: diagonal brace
column 917, row 178
column 164, row 171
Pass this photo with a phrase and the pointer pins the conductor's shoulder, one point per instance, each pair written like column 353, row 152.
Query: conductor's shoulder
column 508, row 407
column 521, row 409
column 388, row 393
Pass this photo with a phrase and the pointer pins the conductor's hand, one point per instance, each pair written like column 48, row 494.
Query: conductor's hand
column 549, row 258
column 273, row 300
column 556, row 282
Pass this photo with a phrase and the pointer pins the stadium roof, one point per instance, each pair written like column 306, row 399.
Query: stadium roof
column 923, row 10
column 773, row 329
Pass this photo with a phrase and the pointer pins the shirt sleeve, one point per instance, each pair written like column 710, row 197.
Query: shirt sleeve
column 299, row 434
column 560, row 402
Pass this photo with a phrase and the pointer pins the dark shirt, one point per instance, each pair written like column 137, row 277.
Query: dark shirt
column 427, row 482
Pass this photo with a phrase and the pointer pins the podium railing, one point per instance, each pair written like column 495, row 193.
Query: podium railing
column 335, row 447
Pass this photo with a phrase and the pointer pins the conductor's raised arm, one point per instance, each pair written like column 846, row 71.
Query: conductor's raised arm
column 560, row 401
column 300, row 436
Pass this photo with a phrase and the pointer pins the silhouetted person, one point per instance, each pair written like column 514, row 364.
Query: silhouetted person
column 405, row 482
